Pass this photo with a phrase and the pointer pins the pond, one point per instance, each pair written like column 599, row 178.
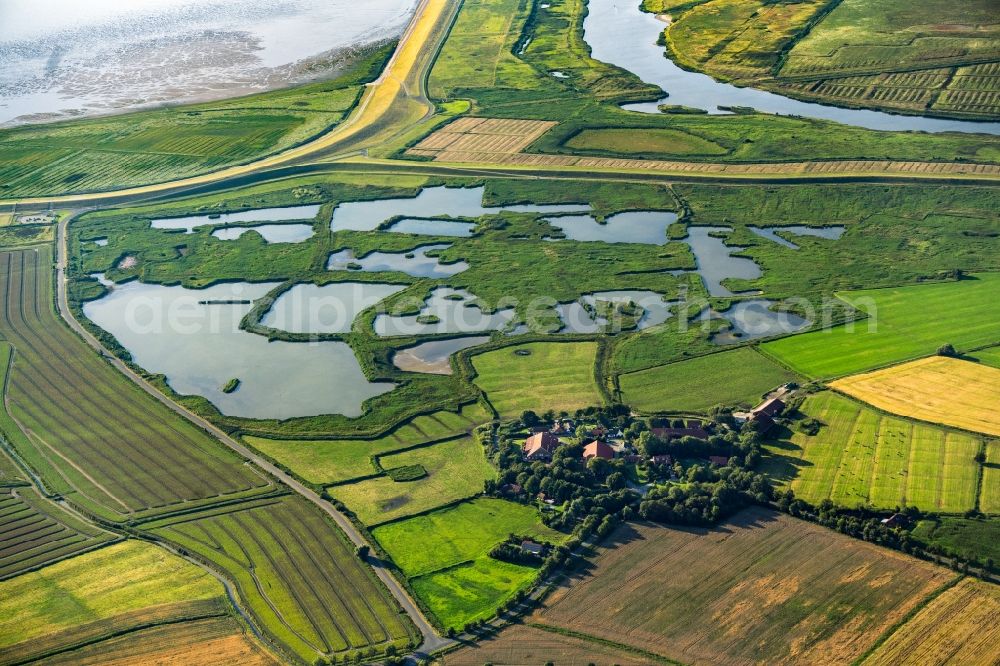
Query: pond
column 754, row 319
column 271, row 233
column 99, row 242
column 191, row 222
column 330, row 308
column 621, row 34
column 420, row 227
column 199, row 347
column 413, row 262
column 433, row 357
column 771, row 233
column 633, row 227
column 431, row 202
column 446, row 310
column 716, row 261
column 577, row 317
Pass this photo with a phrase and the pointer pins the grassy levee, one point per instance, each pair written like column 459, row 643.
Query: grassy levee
column 216, row 640
column 154, row 146
column 35, row 533
column 387, row 107
column 296, row 574
column 904, row 323
column 860, row 456
column 739, row 376
column 63, row 400
column 101, row 594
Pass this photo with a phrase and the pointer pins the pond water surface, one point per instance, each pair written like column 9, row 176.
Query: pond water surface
column 433, row 227
column 771, row 233
column 189, row 223
column 452, row 310
column 632, row 227
column 754, row 319
column 330, row 308
column 199, row 347
column 417, row 264
column 577, row 318
column 271, row 233
column 433, row 357
column 431, row 202
column 621, row 34
column 715, row 260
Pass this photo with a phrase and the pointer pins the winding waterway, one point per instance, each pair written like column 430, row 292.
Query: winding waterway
column 621, row 34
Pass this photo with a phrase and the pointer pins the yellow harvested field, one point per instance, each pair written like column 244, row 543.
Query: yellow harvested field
column 490, row 136
column 958, row 627
column 456, row 154
column 935, row 389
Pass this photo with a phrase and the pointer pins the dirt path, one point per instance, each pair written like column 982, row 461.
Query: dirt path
column 431, row 640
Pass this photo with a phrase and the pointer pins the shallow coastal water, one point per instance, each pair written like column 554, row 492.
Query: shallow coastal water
column 433, row 357
column 330, row 308
column 431, row 202
column 649, row 227
column 621, row 34
column 66, row 58
column 190, row 222
column 413, row 262
column 199, row 347
column 771, row 233
column 271, row 233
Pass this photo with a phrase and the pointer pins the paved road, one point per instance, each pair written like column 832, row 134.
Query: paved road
column 431, row 640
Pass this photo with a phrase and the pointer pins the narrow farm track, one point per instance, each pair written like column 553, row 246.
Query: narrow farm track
column 431, row 641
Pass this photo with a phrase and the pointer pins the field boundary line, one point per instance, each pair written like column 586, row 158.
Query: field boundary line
column 891, row 631
column 603, row 641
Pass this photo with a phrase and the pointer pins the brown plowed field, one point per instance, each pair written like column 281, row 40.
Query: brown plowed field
column 762, row 588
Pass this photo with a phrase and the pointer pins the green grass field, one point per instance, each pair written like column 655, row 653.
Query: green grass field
column 296, row 574
column 456, row 469
column 973, row 538
column 546, row 375
column 117, row 585
column 445, row 556
column 643, row 142
column 989, row 496
column 989, row 356
column 862, row 456
column 906, row 322
column 337, row 460
column 166, row 144
column 740, row 376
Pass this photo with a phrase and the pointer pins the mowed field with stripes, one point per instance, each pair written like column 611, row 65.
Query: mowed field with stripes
column 106, row 445
column 863, row 456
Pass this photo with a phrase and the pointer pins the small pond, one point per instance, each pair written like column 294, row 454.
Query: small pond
column 420, row 227
column 199, row 347
column 188, row 224
column 271, row 233
column 446, row 310
column 431, row 202
column 771, row 233
column 754, row 319
column 99, row 242
column 631, row 227
column 413, row 262
column 578, row 318
column 330, row 308
column 716, row 261
column 433, row 357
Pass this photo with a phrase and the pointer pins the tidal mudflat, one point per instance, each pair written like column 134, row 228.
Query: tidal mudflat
column 434, row 357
